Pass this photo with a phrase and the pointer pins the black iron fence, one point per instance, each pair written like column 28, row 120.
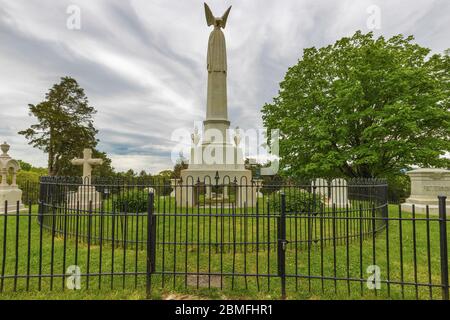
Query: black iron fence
column 30, row 192
column 337, row 239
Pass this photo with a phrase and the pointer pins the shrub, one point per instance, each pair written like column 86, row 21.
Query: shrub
column 297, row 201
column 135, row 200
column 27, row 176
column 399, row 188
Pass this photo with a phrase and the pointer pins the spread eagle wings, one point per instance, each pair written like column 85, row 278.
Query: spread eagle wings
column 209, row 16
column 211, row 20
column 225, row 17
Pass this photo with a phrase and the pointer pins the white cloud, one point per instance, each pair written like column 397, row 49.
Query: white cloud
column 138, row 163
column 142, row 63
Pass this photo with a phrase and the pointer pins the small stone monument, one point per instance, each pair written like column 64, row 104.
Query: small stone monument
column 426, row 185
column 258, row 183
column 86, row 192
column 174, row 184
column 339, row 193
column 9, row 192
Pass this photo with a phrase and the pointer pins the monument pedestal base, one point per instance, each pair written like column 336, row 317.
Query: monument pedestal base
column 235, row 186
column 83, row 198
column 11, row 195
column 426, row 185
column 421, row 208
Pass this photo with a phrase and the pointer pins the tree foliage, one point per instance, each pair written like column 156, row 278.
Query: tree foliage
column 28, row 174
column 25, row 166
column 181, row 164
column 363, row 107
column 64, row 127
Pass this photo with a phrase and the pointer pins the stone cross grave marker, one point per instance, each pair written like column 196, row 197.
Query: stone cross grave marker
column 87, row 162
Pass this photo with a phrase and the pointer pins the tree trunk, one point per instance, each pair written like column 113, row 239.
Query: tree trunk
column 51, row 156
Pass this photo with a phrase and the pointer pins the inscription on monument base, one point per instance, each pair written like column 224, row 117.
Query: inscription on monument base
column 426, row 186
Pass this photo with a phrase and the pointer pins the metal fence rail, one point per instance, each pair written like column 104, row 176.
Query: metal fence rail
column 286, row 240
column 129, row 197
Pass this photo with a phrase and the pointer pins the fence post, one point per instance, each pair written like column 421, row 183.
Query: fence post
column 385, row 201
column 40, row 201
column 443, row 247
column 282, row 246
column 150, row 243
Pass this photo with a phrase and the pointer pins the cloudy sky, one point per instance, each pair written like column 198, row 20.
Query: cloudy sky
column 142, row 62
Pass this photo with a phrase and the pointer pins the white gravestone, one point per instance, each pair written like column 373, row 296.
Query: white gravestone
column 9, row 193
column 321, row 187
column 339, row 193
column 86, row 192
column 426, row 185
column 174, row 183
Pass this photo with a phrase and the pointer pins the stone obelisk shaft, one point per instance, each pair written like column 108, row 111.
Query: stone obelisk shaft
column 217, row 77
column 216, row 106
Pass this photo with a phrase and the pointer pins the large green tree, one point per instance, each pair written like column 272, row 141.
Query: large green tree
column 363, row 107
column 64, row 125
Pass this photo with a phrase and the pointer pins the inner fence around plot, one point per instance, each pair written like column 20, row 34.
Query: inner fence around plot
column 292, row 241
column 250, row 215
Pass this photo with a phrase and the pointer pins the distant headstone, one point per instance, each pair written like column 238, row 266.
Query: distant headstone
column 339, row 193
column 176, row 188
column 426, row 185
column 9, row 193
column 150, row 190
column 258, row 185
column 321, row 187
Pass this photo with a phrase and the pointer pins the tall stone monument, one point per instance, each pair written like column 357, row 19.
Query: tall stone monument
column 215, row 154
column 9, row 193
column 426, row 185
column 86, row 193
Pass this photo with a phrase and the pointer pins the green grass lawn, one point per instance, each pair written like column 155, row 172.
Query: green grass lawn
column 118, row 272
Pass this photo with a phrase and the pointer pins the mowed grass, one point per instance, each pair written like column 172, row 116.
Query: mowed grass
column 406, row 251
